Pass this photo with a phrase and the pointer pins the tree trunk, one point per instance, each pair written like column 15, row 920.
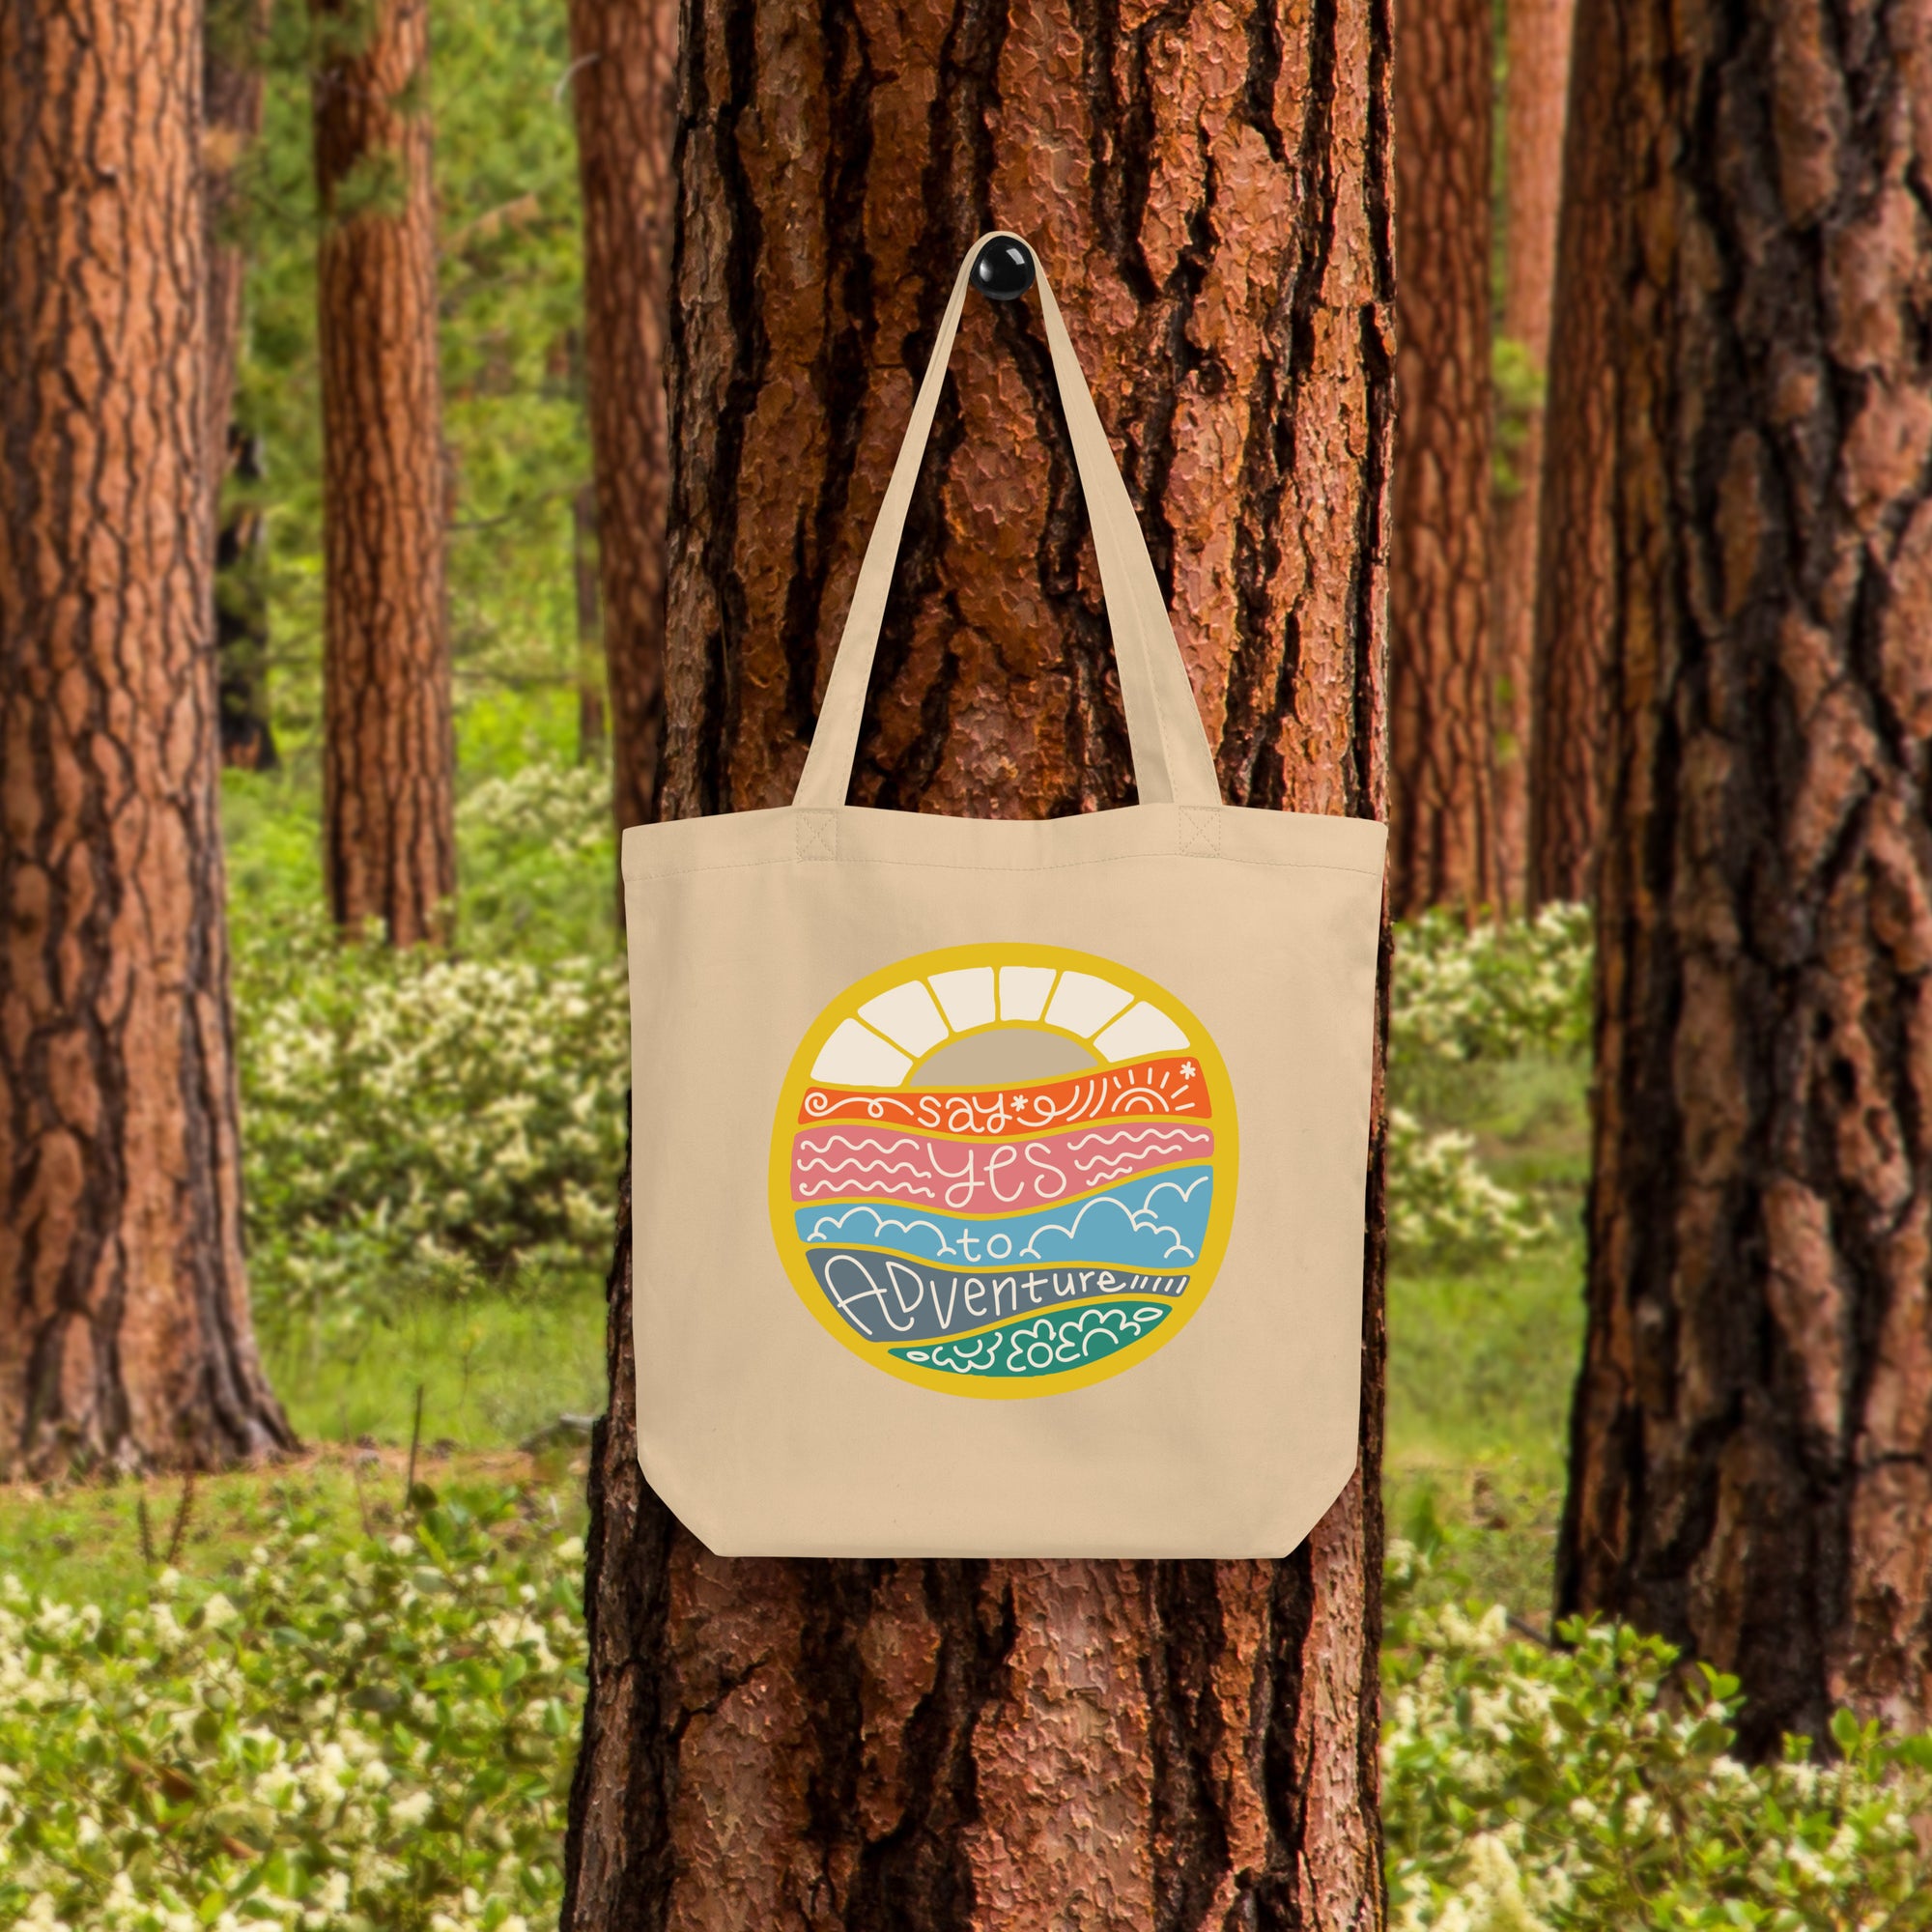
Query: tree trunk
column 242, row 617
column 125, row 1336
column 234, row 56
column 591, row 736
column 1750, row 1468
column 1575, row 545
column 1442, row 830
column 1010, row 1744
column 623, row 61
column 388, row 805
column 1537, row 37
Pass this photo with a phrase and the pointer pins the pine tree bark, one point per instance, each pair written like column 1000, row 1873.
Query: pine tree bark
column 235, row 53
column 1576, row 555
column 125, row 1334
column 592, row 734
column 1534, row 96
column 388, row 794
column 242, row 616
column 1010, row 1744
column 1750, row 1471
column 1442, row 825
column 623, row 63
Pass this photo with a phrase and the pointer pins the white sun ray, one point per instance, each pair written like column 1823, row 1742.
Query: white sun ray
column 1141, row 1030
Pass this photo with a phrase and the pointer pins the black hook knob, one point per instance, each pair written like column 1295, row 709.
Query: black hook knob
column 1004, row 270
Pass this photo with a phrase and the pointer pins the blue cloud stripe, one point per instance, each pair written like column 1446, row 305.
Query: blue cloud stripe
column 1155, row 1224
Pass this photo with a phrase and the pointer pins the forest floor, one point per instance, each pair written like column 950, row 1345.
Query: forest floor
column 1481, row 1361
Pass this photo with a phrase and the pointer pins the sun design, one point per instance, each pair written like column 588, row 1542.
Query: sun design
column 1004, row 1170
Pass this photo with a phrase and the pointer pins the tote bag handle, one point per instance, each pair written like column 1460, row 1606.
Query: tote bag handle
column 1172, row 762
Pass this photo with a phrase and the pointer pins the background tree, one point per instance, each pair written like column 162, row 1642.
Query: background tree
column 951, row 1743
column 1443, row 826
column 1574, row 554
column 623, row 66
column 388, row 804
column 233, row 73
column 125, row 1336
column 1536, row 83
column 1750, row 1454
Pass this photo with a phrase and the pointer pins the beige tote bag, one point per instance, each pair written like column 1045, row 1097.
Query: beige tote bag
column 997, row 1187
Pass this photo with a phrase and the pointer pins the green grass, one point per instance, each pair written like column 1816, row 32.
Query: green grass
column 493, row 1370
column 1482, row 1360
column 83, row 1542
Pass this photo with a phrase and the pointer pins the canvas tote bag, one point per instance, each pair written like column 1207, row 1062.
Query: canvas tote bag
column 997, row 1187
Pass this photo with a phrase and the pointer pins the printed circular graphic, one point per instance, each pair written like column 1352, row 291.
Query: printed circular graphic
column 1004, row 1170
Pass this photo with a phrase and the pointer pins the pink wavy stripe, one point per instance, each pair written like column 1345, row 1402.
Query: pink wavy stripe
column 978, row 1178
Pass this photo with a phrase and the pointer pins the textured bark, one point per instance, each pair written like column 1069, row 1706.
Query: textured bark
column 388, row 799
column 1575, row 547
column 242, row 616
column 919, row 1746
column 234, row 53
column 125, row 1338
column 1750, row 1466
column 1442, row 831
column 624, row 59
column 1538, row 40
column 591, row 732
column 234, row 56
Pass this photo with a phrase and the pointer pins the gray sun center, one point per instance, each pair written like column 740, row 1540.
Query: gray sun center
column 1004, row 1054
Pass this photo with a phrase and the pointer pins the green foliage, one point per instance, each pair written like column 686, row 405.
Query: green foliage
column 539, row 865
column 1443, row 1205
column 1492, row 993
column 1466, row 1003
column 1517, row 382
column 414, row 1123
column 1590, row 1787
column 496, row 1366
column 354, row 1732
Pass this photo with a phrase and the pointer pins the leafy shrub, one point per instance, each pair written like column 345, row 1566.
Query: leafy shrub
column 1492, row 993
column 1462, row 1003
column 539, row 863
column 376, row 1735
column 1591, row 1789
column 1442, row 1204
column 413, row 1121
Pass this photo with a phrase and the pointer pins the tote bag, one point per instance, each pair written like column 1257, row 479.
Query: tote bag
column 997, row 1187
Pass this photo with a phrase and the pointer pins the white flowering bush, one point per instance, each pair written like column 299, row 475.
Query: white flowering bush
column 1463, row 999
column 1493, row 991
column 538, row 863
column 347, row 1736
column 1590, row 1788
column 1442, row 1204
column 414, row 1122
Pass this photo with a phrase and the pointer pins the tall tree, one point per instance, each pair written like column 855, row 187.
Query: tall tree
column 388, row 793
column 233, row 69
column 1752, row 1462
column 1443, row 826
column 592, row 733
column 623, row 71
column 124, row 1337
column 1575, row 550
column 1537, row 45
column 231, row 79
column 919, row 1745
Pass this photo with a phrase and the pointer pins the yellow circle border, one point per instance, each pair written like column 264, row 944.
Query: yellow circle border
column 1225, row 1162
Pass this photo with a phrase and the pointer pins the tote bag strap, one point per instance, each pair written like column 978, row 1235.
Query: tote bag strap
column 1172, row 762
